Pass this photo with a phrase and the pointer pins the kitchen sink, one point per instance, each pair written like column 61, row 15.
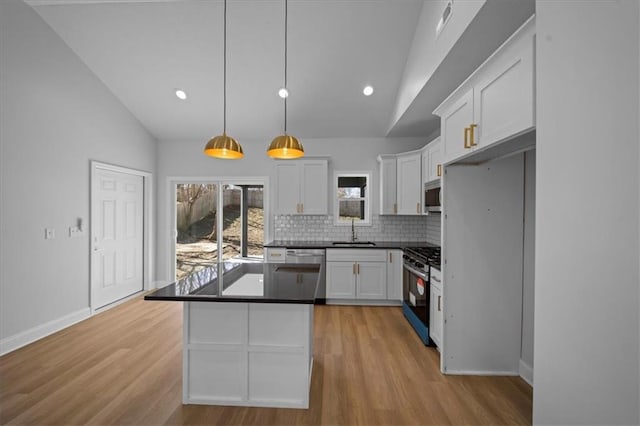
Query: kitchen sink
column 354, row 243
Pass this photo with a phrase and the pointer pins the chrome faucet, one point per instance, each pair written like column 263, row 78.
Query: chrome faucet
column 353, row 231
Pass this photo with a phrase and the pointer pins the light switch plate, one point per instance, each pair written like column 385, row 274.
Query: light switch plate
column 49, row 233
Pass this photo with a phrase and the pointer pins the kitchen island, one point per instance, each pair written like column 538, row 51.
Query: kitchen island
column 248, row 333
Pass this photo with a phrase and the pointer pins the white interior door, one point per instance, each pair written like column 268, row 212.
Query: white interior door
column 117, row 231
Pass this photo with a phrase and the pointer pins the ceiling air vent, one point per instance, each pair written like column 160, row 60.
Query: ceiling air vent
column 446, row 14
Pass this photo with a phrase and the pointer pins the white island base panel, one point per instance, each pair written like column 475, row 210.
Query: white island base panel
column 247, row 354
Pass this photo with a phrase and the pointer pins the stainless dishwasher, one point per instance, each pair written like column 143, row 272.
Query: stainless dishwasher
column 314, row 256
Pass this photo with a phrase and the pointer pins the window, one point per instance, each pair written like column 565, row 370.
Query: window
column 352, row 198
column 217, row 214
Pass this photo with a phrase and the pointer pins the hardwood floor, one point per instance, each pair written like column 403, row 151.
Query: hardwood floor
column 124, row 366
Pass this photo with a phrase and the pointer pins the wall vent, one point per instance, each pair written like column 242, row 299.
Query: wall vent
column 446, row 15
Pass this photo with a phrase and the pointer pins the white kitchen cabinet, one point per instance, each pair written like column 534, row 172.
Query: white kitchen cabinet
column 341, row 280
column 432, row 162
column 453, row 126
column 371, row 280
column 388, row 184
column 394, row 275
column 356, row 274
column 301, row 187
column 274, row 254
column 409, row 185
column 495, row 104
column 436, row 303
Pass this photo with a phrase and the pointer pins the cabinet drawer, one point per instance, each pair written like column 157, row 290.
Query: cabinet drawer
column 356, row 255
column 275, row 255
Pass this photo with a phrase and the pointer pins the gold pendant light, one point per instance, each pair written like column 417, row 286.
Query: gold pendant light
column 285, row 146
column 224, row 146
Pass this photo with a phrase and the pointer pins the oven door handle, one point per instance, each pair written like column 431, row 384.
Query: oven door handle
column 415, row 271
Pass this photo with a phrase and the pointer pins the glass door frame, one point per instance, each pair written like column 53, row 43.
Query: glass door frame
column 172, row 185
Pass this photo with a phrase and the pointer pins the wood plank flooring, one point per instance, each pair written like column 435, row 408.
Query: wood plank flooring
column 124, row 366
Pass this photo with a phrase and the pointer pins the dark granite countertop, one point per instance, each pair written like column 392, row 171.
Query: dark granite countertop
column 246, row 282
column 329, row 244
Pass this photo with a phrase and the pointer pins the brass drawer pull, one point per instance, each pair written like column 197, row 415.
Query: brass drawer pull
column 472, row 141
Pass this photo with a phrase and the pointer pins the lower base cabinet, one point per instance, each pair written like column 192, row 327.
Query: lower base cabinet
column 436, row 317
column 358, row 274
column 247, row 354
column 394, row 275
column 341, row 280
column 371, row 280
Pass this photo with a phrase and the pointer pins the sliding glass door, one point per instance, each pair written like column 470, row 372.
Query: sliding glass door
column 217, row 221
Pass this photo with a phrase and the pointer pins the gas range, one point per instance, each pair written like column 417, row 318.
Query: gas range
column 422, row 257
column 416, row 278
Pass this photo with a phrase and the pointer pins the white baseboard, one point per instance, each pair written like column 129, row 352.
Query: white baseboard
column 364, row 302
column 19, row 340
column 526, row 372
column 480, row 373
column 118, row 302
column 152, row 285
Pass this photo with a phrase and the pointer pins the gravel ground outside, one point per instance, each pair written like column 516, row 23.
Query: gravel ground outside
column 196, row 248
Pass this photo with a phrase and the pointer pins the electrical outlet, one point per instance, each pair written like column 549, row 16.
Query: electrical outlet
column 49, row 233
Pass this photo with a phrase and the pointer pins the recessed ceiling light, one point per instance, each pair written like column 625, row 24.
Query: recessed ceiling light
column 181, row 94
column 368, row 90
column 283, row 92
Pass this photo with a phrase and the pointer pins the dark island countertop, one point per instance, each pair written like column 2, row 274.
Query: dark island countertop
column 246, row 282
column 292, row 244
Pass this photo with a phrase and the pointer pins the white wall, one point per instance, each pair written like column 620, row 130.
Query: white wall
column 528, row 267
column 55, row 116
column 185, row 159
column 427, row 51
column 586, row 297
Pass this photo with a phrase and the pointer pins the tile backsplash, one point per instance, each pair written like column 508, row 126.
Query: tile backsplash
column 383, row 228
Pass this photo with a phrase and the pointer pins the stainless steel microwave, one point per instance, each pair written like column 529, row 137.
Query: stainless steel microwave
column 432, row 198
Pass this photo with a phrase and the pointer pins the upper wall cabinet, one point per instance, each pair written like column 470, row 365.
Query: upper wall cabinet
column 496, row 103
column 432, row 162
column 388, row 184
column 409, row 184
column 301, row 186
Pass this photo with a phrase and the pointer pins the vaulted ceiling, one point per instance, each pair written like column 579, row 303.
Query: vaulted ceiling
column 143, row 50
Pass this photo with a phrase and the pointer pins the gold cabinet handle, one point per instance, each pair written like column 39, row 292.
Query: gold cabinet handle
column 354, row 269
column 298, row 208
column 276, row 254
column 466, row 137
column 439, row 170
column 395, row 209
column 358, row 267
column 472, row 129
column 390, row 257
column 439, row 298
column 418, row 207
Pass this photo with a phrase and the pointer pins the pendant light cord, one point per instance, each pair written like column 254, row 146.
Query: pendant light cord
column 224, row 73
column 285, row 65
